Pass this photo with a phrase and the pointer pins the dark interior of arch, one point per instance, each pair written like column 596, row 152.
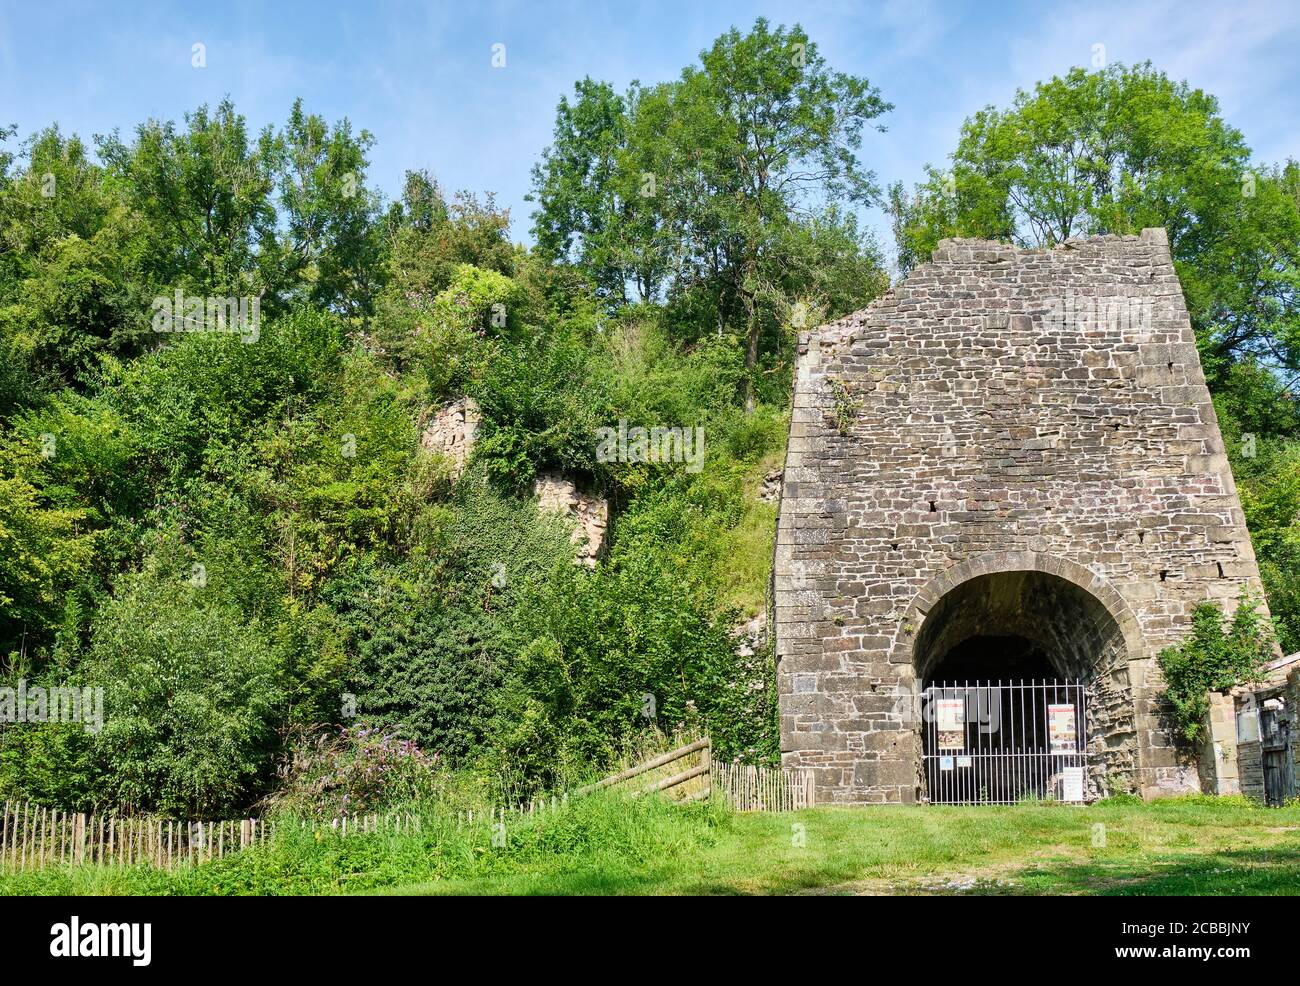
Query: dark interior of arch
column 1022, row 624
column 993, row 658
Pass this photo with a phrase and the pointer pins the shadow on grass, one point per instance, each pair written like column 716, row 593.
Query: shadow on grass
column 1266, row 872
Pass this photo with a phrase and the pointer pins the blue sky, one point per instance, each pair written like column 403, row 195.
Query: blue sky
column 419, row 76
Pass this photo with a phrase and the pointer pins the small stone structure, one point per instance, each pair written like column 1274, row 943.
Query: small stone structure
column 452, row 432
column 589, row 514
column 1009, row 442
column 1253, row 730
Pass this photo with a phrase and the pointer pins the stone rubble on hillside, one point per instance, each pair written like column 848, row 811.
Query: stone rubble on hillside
column 590, row 514
column 751, row 636
column 452, row 431
column 770, row 492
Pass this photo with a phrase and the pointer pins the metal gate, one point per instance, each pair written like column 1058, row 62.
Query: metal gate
column 1000, row 742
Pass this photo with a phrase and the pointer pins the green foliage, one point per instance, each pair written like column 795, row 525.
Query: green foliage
column 582, row 217
column 46, row 550
column 1259, row 419
column 330, row 251
column 1218, row 654
column 1114, row 151
column 448, row 266
column 541, row 405
column 725, row 191
column 433, row 638
column 358, row 770
column 190, row 696
column 845, row 407
column 610, row 651
column 242, row 540
column 191, row 691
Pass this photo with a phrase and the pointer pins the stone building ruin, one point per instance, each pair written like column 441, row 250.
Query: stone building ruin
column 452, row 431
column 1004, row 473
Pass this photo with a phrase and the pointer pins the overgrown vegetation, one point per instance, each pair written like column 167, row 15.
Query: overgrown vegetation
column 613, row 845
column 1218, row 653
column 242, row 540
column 240, row 537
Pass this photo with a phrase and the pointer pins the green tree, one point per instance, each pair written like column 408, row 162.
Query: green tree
column 1114, row 151
column 1218, row 654
column 699, row 186
column 206, row 195
column 588, row 214
column 71, row 285
column 331, row 247
column 189, row 710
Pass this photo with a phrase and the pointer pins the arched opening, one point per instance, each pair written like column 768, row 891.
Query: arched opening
column 1024, row 690
column 987, row 656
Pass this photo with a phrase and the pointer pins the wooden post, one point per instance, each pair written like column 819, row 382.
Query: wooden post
column 706, row 761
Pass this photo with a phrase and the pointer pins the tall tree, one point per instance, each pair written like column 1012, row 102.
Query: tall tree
column 1113, row 151
column 588, row 209
column 70, row 270
column 701, row 183
column 206, row 193
column 329, row 246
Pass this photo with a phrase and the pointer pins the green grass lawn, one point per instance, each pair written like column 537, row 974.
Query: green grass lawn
column 610, row 845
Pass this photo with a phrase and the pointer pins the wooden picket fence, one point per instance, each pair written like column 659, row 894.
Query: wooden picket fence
column 740, row 786
column 747, row 788
column 32, row 837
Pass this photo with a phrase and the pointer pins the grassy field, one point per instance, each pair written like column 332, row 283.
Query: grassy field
column 609, row 845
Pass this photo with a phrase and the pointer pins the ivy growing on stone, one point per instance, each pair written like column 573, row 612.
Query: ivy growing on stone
column 1220, row 652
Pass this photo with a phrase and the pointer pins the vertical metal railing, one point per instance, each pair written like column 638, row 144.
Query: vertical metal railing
column 1005, row 741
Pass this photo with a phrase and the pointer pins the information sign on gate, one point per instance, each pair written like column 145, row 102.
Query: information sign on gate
column 1060, row 729
column 951, row 713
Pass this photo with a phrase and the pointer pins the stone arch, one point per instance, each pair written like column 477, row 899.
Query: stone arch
column 1067, row 612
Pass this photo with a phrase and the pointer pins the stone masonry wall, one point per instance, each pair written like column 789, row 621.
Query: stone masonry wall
column 588, row 513
column 999, row 410
column 452, row 432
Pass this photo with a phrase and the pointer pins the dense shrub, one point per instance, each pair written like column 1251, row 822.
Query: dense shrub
column 611, row 651
column 1218, row 654
column 358, row 770
column 192, row 696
